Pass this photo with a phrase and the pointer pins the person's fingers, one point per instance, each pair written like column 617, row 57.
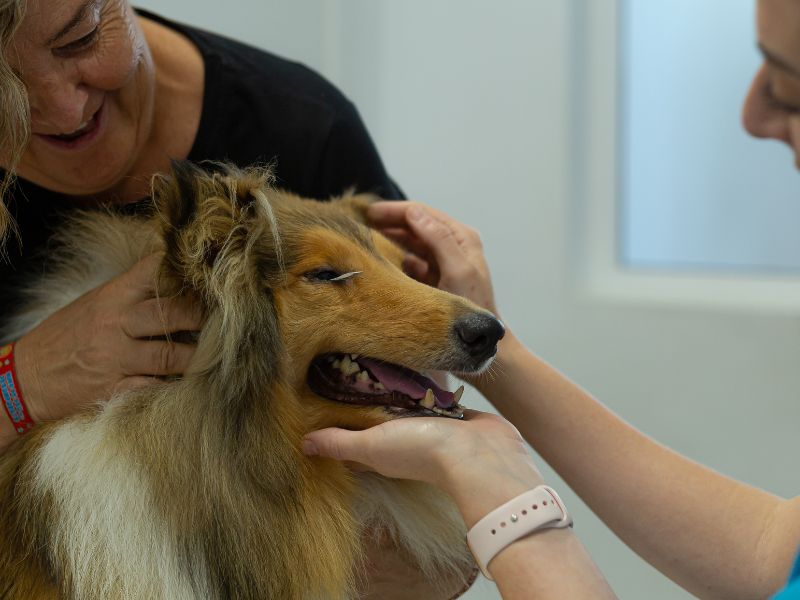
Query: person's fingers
column 134, row 383
column 439, row 235
column 141, row 279
column 388, row 214
column 409, row 241
column 339, row 444
column 161, row 316
column 156, row 358
column 421, row 270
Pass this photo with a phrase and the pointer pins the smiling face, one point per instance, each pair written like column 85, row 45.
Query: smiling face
column 772, row 107
column 90, row 82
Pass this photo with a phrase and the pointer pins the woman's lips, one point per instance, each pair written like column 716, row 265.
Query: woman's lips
column 87, row 135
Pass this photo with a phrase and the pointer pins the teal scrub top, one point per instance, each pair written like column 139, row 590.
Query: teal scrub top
column 792, row 589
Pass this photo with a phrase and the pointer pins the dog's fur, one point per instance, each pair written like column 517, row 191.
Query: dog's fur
column 196, row 488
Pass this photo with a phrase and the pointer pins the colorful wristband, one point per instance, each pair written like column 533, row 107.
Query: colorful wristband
column 539, row 508
column 12, row 396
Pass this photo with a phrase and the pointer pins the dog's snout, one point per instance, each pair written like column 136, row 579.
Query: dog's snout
column 479, row 334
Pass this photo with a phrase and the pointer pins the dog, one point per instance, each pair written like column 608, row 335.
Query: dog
column 195, row 487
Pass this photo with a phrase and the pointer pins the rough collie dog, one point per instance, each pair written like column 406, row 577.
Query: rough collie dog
column 195, row 488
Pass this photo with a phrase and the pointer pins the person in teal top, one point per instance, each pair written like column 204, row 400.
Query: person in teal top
column 712, row 535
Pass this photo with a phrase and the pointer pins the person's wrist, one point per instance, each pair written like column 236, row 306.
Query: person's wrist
column 28, row 381
column 7, row 431
column 479, row 491
column 509, row 349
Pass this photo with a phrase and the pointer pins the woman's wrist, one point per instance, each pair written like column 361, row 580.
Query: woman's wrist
column 7, row 431
column 479, row 490
column 508, row 362
column 27, row 380
column 549, row 563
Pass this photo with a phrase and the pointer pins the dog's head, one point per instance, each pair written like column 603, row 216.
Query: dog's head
column 302, row 293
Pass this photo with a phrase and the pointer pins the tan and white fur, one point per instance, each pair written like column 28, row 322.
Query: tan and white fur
column 195, row 488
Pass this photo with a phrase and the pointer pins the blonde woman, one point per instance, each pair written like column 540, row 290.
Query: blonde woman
column 716, row 537
column 94, row 99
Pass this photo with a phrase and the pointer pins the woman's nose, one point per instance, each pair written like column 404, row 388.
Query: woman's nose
column 58, row 105
column 760, row 116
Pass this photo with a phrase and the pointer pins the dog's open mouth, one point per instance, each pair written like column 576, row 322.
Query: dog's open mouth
column 367, row 381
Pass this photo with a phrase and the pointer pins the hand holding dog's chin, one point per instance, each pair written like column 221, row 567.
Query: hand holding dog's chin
column 97, row 345
column 481, row 462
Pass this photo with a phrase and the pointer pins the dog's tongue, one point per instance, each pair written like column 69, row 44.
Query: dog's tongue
column 408, row 382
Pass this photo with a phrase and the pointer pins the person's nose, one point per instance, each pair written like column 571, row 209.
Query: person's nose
column 58, row 104
column 760, row 116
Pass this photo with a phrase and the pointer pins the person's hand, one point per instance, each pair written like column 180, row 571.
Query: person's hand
column 98, row 345
column 480, row 461
column 443, row 252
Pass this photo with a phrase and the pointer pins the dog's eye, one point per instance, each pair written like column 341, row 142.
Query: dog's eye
column 327, row 274
column 322, row 275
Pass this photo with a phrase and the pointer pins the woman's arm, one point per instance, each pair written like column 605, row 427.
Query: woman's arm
column 7, row 432
column 482, row 463
column 714, row 536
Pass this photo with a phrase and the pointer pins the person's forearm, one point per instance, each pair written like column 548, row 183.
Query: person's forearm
column 7, row 432
column 714, row 536
column 547, row 564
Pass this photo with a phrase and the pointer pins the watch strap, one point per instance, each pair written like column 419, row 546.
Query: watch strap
column 539, row 508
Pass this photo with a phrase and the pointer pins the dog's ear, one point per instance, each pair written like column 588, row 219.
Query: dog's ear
column 356, row 205
column 207, row 215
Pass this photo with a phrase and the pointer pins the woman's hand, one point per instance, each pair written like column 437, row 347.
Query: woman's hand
column 443, row 252
column 99, row 345
column 480, row 461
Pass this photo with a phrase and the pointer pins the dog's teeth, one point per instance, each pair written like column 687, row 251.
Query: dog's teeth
column 354, row 356
column 379, row 386
column 349, row 367
column 428, row 401
column 337, row 363
column 344, row 365
column 362, row 376
column 458, row 393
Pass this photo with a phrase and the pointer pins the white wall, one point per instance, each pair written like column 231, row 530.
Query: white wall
column 470, row 104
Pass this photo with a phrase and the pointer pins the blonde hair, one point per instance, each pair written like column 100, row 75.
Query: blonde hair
column 14, row 108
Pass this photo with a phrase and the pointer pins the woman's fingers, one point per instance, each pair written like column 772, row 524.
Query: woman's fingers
column 134, row 383
column 156, row 357
column 140, row 281
column 339, row 444
column 162, row 316
column 439, row 235
column 421, row 270
column 387, row 214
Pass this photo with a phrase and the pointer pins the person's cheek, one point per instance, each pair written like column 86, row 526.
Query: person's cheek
column 113, row 64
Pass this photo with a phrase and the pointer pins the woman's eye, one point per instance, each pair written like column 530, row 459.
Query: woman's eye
column 79, row 44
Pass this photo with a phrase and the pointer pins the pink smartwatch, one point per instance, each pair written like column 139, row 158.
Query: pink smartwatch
column 539, row 508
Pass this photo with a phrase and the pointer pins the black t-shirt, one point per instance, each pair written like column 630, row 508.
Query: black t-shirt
column 257, row 108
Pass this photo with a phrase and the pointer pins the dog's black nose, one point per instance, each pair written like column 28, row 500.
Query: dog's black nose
column 479, row 334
